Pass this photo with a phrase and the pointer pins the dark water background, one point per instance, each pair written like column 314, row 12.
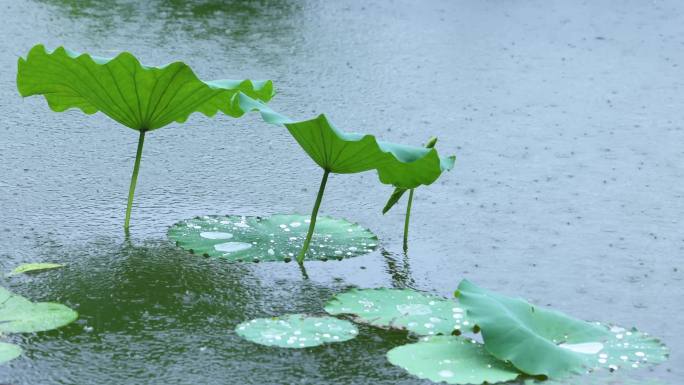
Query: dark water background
column 566, row 117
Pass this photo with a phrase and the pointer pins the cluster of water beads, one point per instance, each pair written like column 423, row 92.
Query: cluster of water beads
column 419, row 313
column 275, row 238
column 296, row 331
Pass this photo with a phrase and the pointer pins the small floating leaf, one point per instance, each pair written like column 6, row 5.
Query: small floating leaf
column 275, row 238
column 19, row 315
column 296, row 331
column 540, row 341
column 453, row 360
column 420, row 313
column 9, row 352
column 34, row 267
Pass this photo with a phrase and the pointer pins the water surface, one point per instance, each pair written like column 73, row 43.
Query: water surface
column 566, row 118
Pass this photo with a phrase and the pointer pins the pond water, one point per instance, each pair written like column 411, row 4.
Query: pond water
column 566, row 118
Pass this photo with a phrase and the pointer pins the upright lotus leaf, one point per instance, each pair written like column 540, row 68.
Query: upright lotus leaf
column 539, row 341
column 137, row 96
column 453, row 360
column 296, row 331
column 34, row 267
column 9, row 352
column 274, row 238
column 341, row 152
column 19, row 315
column 398, row 193
column 419, row 313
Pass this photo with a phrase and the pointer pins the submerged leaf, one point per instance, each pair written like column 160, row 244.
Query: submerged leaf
column 137, row 96
column 19, row 315
column 296, row 331
column 453, row 360
column 9, row 352
column 274, row 238
column 346, row 153
column 419, row 313
column 546, row 342
column 34, row 267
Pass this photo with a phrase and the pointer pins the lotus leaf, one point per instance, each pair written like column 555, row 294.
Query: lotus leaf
column 19, row 315
column 419, row 313
column 453, row 360
column 341, row 152
column 34, row 267
column 540, row 341
column 296, row 331
column 274, row 238
column 9, row 352
column 398, row 193
column 137, row 96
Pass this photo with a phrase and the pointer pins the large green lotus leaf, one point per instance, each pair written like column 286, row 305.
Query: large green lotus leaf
column 19, row 315
column 453, row 360
column 405, row 309
column 275, row 238
column 34, row 267
column 296, row 331
column 545, row 342
column 137, row 96
column 9, row 352
column 345, row 153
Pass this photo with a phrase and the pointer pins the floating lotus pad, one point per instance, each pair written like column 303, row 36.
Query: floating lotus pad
column 453, row 360
column 274, row 238
column 34, row 267
column 296, row 331
column 625, row 349
column 539, row 341
column 420, row 313
column 9, row 352
column 19, row 315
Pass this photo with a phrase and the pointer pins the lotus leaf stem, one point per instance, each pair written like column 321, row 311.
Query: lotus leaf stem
column 314, row 214
column 134, row 179
column 407, row 219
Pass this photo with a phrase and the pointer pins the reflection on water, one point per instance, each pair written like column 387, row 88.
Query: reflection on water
column 200, row 19
column 399, row 269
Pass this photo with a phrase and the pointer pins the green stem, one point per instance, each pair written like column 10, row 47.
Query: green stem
column 134, row 179
column 314, row 214
column 406, row 221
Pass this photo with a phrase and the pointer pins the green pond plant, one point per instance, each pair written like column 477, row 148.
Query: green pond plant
column 546, row 342
column 398, row 193
column 296, row 331
column 519, row 339
column 403, row 309
column 269, row 239
column 139, row 97
column 339, row 152
column 19, row 315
